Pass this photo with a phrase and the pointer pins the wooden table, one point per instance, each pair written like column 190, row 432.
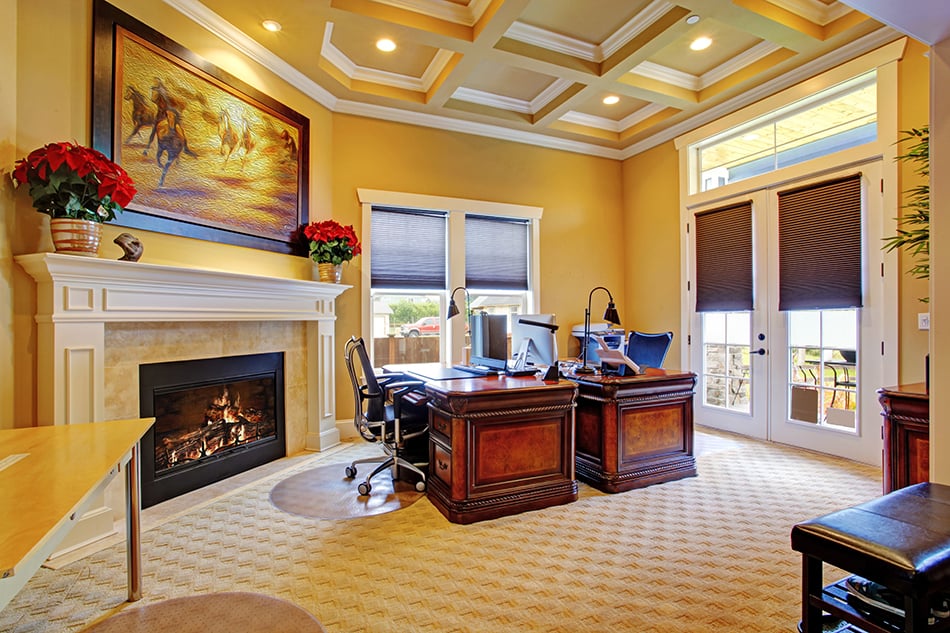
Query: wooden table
column 500, row 445
column 48, row 475
column 633, row 431
column 906, row 435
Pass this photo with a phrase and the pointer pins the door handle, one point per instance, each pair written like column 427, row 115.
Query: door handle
column 760, row 351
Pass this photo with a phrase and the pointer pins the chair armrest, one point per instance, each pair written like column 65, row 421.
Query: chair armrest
column 400, row 389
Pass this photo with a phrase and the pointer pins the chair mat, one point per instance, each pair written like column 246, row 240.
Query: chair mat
column 326, row 493
column 228, row 612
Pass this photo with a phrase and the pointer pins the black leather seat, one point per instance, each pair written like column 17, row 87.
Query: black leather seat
column 900, row 540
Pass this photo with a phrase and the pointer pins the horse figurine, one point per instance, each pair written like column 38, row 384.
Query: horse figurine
column 229, row 137
column 141, row 112
column 171, row 142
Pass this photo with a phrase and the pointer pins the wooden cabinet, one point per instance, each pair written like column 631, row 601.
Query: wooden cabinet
column 633, row 431
column 499, row 446
column 906, row 435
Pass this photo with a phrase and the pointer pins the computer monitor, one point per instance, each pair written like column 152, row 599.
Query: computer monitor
column 532, row 340
column 489, row 336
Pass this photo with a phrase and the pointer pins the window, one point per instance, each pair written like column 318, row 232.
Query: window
column 418, row 255
column 838, row 118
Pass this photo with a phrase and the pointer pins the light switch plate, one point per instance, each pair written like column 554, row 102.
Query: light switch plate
column 923, row 321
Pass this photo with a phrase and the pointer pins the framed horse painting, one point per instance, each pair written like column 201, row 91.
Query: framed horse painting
column 212, row 157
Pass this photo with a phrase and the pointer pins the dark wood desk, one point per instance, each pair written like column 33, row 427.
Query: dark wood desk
column 634, row 431
column 499, row 445
column 906, row 435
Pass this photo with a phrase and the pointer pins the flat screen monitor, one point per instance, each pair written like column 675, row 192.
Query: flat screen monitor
column 529, row 336
column 489, row 336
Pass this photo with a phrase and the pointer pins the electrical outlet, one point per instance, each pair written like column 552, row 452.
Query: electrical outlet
column 923, row 321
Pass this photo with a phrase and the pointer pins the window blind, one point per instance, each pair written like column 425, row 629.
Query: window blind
column 496, row 253
column 408, row 249
column 820, row 246
column 724, row 259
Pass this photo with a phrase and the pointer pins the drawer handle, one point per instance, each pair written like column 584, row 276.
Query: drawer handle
column 443, row 465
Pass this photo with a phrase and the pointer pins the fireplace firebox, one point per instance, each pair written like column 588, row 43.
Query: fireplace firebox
column 214, row 418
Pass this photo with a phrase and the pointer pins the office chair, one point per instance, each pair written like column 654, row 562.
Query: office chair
column 387, row 421
column 647, row 350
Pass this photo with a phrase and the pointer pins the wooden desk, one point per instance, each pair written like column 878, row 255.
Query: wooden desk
column 633, row 431
column 906, row 435
column 499, row 446
column 44, row 492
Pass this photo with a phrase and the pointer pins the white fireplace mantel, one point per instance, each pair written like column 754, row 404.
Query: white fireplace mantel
column 77, row 296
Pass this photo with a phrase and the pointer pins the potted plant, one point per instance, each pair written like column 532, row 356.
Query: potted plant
column 79, row 188
column 913, row 233
column 330, row 244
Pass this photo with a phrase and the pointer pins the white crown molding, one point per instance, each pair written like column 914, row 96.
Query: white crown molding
column 512, row 104
column 480, row 97
column 447, row 11
column 346, row 66
column 602, row 123
column 478, row 129
column 224, row 30
column 688, row 81
column 580, row 49
column 650, row 14
column 815, row 11
column 836, row 57
column 552, row 41
column 667, row 75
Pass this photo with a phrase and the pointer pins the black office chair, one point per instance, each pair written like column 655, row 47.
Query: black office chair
column 647, row 350
column 382, row 417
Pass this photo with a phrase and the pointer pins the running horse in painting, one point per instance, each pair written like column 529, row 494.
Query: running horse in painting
column 227, row 133
column 141, row 111
column 171, row 142
column 163, row 101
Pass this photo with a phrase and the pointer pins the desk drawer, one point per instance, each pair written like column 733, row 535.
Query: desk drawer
column 443, row 426
column 441, row 466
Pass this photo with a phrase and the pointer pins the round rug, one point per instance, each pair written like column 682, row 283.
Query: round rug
column 229, row 612
column 326, row 493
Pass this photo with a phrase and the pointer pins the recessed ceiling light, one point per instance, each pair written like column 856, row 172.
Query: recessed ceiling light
column 693, row 19
column 386, row 45
column 701, row 43
column 271, row 25
column 611, row 99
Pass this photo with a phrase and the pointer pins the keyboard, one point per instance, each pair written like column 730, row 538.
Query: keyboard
column 478, row 370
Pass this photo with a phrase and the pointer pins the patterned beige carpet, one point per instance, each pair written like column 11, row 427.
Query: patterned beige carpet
column 709, row 553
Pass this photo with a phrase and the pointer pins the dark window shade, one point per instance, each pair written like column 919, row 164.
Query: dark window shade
column 496, row 253
column 820, row 246
column 724, row 259
column 408, row 249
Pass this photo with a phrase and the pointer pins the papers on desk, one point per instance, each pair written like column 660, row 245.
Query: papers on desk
column 614, row 357
column 10, row 460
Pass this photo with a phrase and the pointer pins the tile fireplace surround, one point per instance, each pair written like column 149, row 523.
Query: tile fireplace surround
column 97, row 319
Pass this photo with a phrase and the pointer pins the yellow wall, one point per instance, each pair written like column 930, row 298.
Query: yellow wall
column 652, row 245
column 913, row 75
column 605, row 222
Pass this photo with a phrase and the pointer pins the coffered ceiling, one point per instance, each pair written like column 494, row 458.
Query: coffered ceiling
column 537, row 71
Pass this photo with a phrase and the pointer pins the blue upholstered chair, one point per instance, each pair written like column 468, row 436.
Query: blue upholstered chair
column 647, row 350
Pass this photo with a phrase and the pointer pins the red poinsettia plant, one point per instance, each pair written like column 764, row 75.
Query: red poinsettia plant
column 67, row 180
column 331, row 242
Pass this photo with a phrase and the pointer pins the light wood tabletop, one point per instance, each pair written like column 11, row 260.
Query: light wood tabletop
column 48, row 475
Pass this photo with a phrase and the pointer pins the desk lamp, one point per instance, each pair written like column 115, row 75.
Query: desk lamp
column 454, row 309
column 610, row 315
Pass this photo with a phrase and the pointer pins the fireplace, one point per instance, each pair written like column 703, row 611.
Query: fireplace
column 214, row 418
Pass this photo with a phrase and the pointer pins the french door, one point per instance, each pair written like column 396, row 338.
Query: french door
column 802, row 377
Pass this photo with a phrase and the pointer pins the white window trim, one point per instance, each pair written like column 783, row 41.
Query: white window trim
column 457, row 208
column 884, row 60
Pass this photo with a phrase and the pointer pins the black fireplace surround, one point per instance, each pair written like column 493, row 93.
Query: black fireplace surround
column 214, row 418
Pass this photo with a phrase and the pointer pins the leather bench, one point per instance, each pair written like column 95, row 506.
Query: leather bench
column 900, row 540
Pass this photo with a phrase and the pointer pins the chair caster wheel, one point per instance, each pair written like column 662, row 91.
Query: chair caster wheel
column 421, row 486
column 364, row 488
column 350, row 472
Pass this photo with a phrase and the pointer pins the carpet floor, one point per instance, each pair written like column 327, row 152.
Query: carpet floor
column 708, row 553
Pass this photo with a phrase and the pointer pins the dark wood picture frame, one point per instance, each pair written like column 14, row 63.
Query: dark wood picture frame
column 212, row 157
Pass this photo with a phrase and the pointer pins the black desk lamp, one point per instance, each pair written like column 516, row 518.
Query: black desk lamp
column 453, row 308
column 610, row 315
